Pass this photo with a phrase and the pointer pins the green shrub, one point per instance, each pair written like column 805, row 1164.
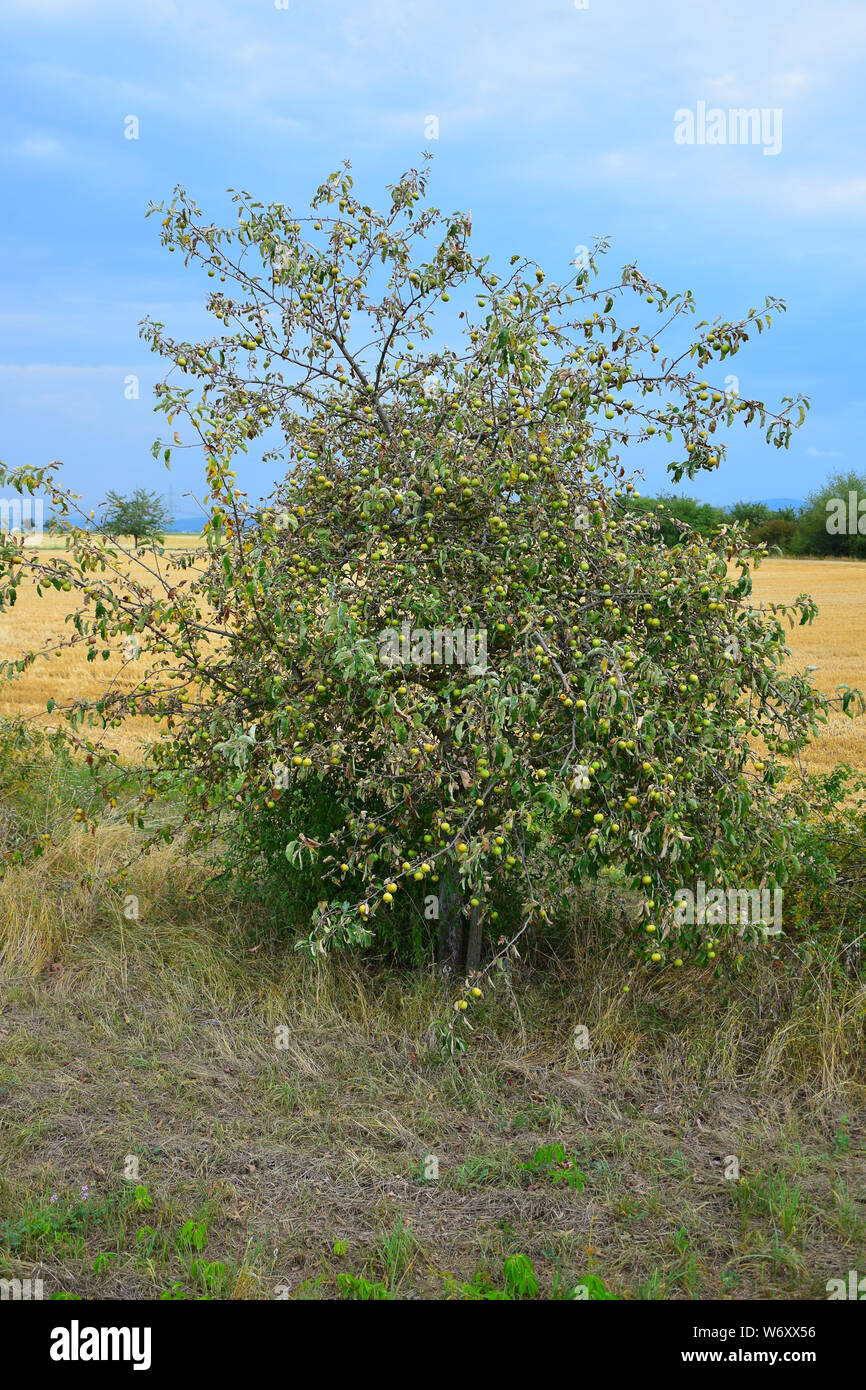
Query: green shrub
column 825, row 902
column 813, row 536
column 777, row 532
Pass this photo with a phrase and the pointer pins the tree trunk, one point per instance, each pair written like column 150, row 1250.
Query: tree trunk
column 451, row 934
column 473, row 943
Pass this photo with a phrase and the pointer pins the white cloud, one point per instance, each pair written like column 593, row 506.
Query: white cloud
column 37, row 147
column 788, row 84
column 725, row 87
column 58, row 371
column 820, row 195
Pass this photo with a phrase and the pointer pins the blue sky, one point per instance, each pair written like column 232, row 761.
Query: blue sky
column 556, row 124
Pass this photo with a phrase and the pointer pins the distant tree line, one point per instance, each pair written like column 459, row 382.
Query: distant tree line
column 831, row 522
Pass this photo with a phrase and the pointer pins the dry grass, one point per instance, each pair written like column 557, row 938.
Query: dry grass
column 68, row 676
column 834, row 643
column 156, row 1038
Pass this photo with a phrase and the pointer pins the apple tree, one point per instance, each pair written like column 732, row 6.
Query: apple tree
column 457, row 445
column 143, row 515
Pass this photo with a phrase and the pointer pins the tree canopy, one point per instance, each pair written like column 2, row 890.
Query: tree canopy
column 144, row 515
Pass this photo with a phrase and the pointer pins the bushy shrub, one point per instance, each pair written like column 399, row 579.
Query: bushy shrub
column 777, row 532
column 827, row 525
column 825, row 902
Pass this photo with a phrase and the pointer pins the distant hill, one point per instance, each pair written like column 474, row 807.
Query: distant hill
column 185, row 524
